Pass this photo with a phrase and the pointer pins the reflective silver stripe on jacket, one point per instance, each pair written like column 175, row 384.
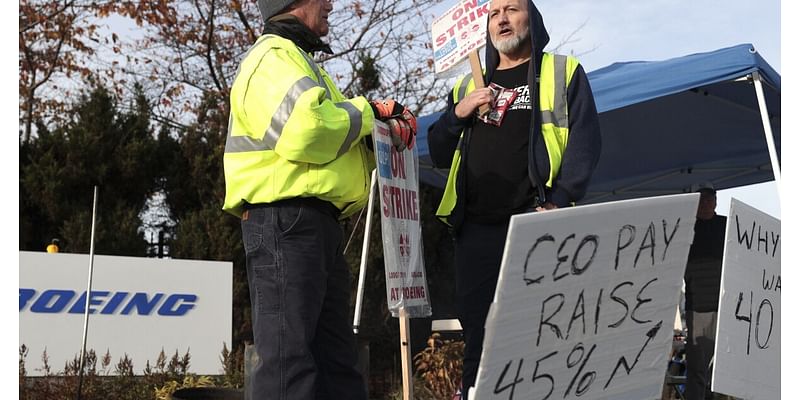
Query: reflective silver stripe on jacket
column 355, row 126
column 315, row 68
column 462, row 90
column 238, row 144
column 558, row 116
column 353, row 113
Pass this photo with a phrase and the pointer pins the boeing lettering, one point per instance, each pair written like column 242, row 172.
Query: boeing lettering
column 53, row 301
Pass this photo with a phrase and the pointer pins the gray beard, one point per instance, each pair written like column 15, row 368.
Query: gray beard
column 511, row 44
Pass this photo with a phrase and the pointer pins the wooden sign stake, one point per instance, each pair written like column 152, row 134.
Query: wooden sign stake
column 477, row 77
column 405, row 351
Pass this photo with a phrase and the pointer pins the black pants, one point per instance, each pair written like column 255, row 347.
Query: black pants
column 479, row 251
column 300, row 296
column 701, row 327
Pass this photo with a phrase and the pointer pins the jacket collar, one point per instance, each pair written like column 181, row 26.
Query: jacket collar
column 289, row 27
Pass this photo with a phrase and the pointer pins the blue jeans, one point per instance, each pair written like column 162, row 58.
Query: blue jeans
column 300, row 295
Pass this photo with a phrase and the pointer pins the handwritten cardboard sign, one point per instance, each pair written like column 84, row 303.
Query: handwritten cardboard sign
column 585, row 302
column 398, row 183
column 457, row 32
column 747, row 354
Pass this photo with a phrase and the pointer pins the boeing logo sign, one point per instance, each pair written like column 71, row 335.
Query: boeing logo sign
column 137, row 307
column 53, row 301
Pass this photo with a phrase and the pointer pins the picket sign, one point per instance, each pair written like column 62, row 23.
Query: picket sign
column 406, row 283
column 398, row 187
column 397, row 177
column 458, row 34
column 585, row 301
column 747, row 354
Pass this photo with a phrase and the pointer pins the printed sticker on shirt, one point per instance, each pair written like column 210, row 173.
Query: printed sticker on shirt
column 523, row 100
column 503, row 98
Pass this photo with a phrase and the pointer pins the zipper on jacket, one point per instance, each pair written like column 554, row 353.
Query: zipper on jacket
column 540, row 196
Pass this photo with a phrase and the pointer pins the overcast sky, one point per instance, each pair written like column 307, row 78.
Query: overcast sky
column 623, row 30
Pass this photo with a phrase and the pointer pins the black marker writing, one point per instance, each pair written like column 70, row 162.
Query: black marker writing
column 624, row 362
column 763, row 307
column 648, row 242
column 562, row 259
column 586, row 240
column 587, row 379
column 747, row 318
column 546, row 321
column 764, row 238
column 544, row 238
column 498, row 389
column 619, row 300
column 576, row 315
column 770, row 284
column 537, row 375
column 667, row 241
column 640, row 301
column 631, row 230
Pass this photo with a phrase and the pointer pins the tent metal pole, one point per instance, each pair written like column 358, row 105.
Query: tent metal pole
column 773, row 154
column 364, row 252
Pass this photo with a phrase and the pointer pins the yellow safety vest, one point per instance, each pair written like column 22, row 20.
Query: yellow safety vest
column 292, row 133
column 555, row 74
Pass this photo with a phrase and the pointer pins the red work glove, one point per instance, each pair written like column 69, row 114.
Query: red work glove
column 403, row 133
column 402, row 123
column 386, row 109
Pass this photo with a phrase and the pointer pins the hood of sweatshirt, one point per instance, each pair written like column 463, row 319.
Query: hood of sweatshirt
column 539, row 39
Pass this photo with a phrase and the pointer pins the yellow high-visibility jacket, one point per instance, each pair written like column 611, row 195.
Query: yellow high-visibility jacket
column 556, row 74
column 292, row 133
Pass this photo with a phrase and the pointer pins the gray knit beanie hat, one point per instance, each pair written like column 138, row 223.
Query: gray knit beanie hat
column 269, row 8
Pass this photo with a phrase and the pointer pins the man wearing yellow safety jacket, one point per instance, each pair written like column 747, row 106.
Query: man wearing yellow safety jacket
column 297, row 160
column 534, row 153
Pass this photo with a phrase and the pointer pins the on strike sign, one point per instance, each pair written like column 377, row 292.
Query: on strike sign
column 457, row 32
column 585, row 301
column 406, row 284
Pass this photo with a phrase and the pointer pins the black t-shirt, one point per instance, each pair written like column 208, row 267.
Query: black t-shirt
column 497, row 183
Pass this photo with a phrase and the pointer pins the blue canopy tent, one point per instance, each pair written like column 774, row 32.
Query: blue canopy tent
column 669, row 124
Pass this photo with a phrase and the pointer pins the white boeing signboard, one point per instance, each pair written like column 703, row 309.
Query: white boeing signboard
column 585, row 302
column 747, row 357
column 138, row 306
